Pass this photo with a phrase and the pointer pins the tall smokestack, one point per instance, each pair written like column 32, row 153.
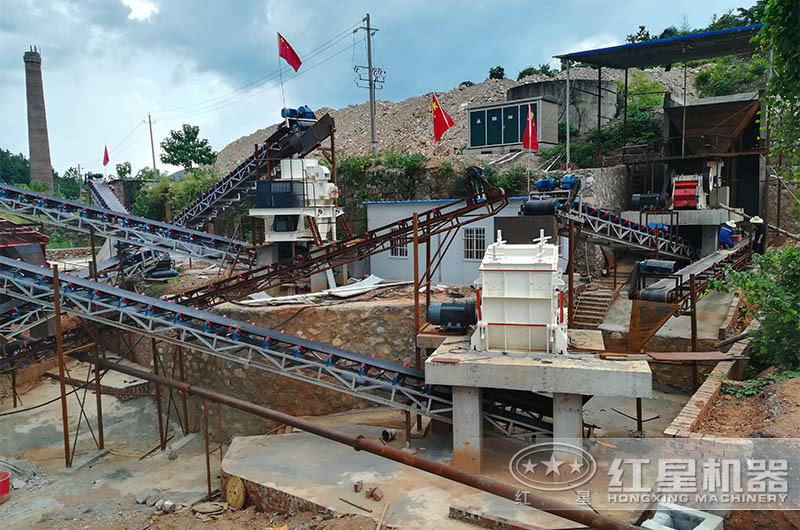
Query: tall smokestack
column 38, row 142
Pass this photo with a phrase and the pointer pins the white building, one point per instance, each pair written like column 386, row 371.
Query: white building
column 460, row 264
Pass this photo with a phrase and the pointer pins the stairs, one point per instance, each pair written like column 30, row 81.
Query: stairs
column 592, row 308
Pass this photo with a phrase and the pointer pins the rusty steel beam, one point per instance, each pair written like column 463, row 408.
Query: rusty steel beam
column 483, row 200
column 376, row 447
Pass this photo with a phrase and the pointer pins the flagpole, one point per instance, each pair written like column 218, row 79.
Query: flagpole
column 280, row 71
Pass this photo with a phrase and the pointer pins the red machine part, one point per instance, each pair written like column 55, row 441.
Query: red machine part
column 685, row 194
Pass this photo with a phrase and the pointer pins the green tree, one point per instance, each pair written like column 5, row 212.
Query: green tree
column 151, row 201
column 642, row 92
column 498, row 72
column 124, row 170
column 190, row 187
column 184, row 147
column 466, row 84
column 148, row 174
column 773, row 289
column 69, row 186
column 640, row 36
column 543, row 69
column 14, row 169
column 780, row 40
column 728, row 76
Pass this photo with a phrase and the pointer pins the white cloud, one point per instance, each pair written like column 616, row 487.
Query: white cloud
column 141, row 9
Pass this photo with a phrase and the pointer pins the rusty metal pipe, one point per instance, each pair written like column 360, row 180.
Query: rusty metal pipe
column 360, row 443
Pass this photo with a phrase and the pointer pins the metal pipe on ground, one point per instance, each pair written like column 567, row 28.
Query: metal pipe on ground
column 731, row 340
column 376, row 447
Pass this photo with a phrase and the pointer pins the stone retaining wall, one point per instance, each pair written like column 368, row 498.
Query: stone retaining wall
column 701, row 402
column 381, row 328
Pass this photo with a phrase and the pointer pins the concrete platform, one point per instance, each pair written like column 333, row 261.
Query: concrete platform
column 454, row 364
column 709, row 216
column 712, row 311
column 305, row 468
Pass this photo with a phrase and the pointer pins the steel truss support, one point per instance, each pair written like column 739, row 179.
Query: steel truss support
column 367, row 377
column 130, row 229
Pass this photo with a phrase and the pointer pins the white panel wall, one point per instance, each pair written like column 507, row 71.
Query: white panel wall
column 454, row 270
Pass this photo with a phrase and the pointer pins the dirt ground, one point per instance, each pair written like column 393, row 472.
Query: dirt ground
column 244, row 520
column 774, row 413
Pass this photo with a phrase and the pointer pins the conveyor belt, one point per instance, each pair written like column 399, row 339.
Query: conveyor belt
column 483, row 200
column 128, row 228
column 665, row 290
column 103, row 196
column 283, row 143
column 611, row 228
column 365, row 376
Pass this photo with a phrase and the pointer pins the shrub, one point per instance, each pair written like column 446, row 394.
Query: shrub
column 773, row 289
column 498, row 72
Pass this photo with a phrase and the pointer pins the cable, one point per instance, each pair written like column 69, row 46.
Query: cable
column 247, row 86
column 250, row 86
column 244, row 96
column 113, row 149
column 262, row 90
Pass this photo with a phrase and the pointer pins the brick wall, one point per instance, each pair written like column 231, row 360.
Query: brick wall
column 701, row 402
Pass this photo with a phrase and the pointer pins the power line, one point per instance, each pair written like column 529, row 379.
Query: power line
column 253, row 84
column 262, row 89
column 113, row 149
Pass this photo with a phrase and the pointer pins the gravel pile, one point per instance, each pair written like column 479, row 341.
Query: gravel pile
column 408, row 126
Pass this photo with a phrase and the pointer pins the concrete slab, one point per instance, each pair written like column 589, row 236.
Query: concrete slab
column 586, row 339
column 709, row 216
column 712, row 311
column 320, row 471
column 454, row 364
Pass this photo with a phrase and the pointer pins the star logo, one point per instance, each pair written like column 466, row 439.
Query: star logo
column 553, row 465
column 576, row 466
column 435, row 106
column 529, row 466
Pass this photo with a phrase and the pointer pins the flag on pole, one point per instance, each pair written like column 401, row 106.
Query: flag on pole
column 288, row 53
column 105, row 156
column 441, row 120
column 530, row 140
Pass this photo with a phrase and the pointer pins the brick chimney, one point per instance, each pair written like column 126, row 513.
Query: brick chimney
column 38, row 142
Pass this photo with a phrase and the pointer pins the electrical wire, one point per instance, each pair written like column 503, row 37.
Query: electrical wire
column 113, row 149
column 248, row 86
column 250, row 90
column 262, row 89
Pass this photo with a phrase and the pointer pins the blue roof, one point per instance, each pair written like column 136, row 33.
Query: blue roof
column 659, row 52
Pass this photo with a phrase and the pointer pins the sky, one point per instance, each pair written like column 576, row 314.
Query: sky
column 106, row 64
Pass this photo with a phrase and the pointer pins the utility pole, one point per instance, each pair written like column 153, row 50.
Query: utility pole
column 373, row 130
column 152, row 149
column 375, row 76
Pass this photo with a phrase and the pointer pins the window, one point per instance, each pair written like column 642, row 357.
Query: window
column 474, row 243
column 401, row 250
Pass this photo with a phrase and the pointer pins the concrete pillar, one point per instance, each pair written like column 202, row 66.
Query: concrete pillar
column 568, row 418
column 467, row 428
column 38, row 142
column 709, row 235
column 266, row 255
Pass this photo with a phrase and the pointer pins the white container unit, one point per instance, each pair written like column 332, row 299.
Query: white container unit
column 521, row 300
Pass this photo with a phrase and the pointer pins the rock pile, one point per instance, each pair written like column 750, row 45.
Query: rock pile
column 24, row 475
column 408, row 127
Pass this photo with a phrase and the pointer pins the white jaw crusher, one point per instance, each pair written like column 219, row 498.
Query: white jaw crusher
column 521, row 300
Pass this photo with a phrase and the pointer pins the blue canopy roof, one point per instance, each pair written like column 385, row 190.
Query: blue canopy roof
column 733, row 41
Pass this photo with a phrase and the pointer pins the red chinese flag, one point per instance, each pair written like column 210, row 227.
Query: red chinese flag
column 530, row 140
column 441, row 120
column 288, row 53
column 105, row 156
